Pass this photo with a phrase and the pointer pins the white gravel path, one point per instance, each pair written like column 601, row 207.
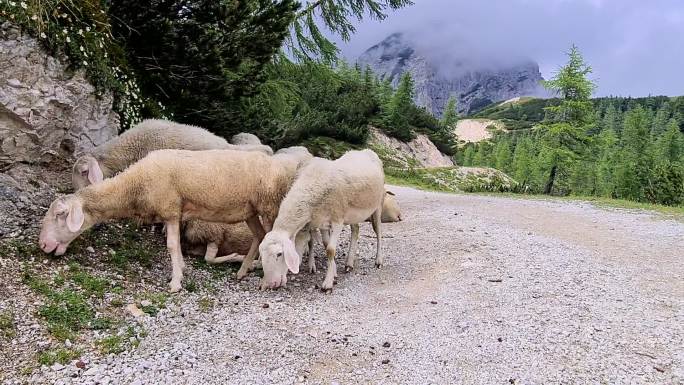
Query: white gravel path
column 477, row 290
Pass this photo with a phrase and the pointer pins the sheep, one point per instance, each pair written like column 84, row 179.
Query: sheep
column 120, row 152
column 171, row 186
column 245, row 138
column 231, row 241
column 304, row 242
column 325, row 195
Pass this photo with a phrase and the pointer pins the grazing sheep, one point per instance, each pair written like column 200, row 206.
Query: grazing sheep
column 325, row 195
column 120, row 152
column 171, row 186
column 245, row 138
column 390, row 213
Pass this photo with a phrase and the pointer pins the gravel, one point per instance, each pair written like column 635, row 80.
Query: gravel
column 509, row 291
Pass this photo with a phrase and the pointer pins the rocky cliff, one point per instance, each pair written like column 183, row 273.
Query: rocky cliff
column 474, row 84
column 46, row 114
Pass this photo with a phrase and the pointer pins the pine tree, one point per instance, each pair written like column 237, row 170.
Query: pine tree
column 605, row 167
column 670, row 145
column 468, row 155
column 503, row 156
column 397, row 122
column 308, row 42
column 633, row 170
column 564, row 137
column 522, row 162
column 450, row 115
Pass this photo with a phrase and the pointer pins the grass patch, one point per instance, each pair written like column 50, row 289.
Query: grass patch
column 118, row 343
column 7, row 327
column 205, row 304
column 92, row 286
column 111, row 344
column 21, row 249
column 329, row 148
column 66, row 313
column 62, row 356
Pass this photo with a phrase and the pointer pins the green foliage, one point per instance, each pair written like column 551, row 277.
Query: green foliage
column 621, row 148
column 80, row 30
column 450, row 115
column 7, row 327
column 200, row 58
column 308, row 42
column 59, row 355
column 397, row 111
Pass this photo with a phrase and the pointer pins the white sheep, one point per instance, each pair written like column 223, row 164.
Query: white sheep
column 120, row 152
column 171, row 186
column 245, row 138
column 325, row 195
column 210, row 239
column 304, row 241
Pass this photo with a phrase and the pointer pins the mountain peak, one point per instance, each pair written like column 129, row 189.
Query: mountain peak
column 441, row 73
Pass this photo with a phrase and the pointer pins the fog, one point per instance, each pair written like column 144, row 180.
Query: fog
column 636, row 48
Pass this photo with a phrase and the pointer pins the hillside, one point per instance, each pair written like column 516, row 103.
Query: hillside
column 525, row 112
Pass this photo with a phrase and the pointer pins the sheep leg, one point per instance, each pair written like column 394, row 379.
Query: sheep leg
column 331, row 273
column 258, row 232
column 377, row 216
column 312, row 260
column 173, row 245
column 210, row 254
column 353, row 246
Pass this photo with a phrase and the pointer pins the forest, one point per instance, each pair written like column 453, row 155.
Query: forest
column 611, row 147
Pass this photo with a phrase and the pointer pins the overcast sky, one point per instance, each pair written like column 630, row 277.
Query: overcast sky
column 636, row 47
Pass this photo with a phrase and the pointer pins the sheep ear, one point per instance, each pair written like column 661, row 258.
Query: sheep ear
column 291, row 256
column 389, row 192
column 94, row 171
column 75, row 218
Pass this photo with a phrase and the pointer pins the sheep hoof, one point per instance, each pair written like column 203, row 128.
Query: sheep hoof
column 348, row 269
column 312, row 269
column 175, row 287
column 242, row 273
column 378, row 265
column 326, row 290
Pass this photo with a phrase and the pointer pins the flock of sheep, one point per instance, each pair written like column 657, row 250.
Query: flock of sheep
column 233, row 201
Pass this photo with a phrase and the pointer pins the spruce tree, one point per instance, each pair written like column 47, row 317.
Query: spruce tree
column 450, row 115
column 522, row 162
column 564, row 136
column 503, row 155
column 397, row 122
column 633, row 169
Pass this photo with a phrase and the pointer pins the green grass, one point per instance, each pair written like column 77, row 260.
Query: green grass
column 112, row 344
column 205, row 304
column 20, row 249
column 7, row 327
column 66, row 313
column 118, row 343
column 61, row 355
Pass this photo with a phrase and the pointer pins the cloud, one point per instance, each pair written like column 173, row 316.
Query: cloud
column 635, row 47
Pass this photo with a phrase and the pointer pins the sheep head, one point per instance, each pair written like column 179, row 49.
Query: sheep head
column 390, row 208
column 64, row 221
column 86, row 171
column 278, row 255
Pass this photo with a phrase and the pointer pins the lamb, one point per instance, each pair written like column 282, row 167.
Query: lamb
column 171, row 186
column 325, row 195
column 231, row 241
column 117, row 154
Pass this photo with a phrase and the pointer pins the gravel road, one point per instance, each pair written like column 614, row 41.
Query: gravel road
column 476, row 290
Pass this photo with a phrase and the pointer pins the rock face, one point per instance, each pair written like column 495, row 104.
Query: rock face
column 46, row 114
column 474, row 85
column 421, row 149
column 45, row 111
